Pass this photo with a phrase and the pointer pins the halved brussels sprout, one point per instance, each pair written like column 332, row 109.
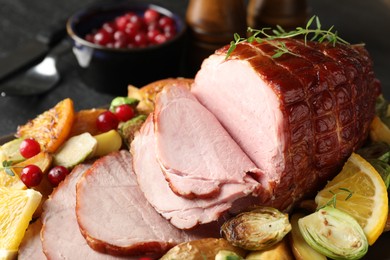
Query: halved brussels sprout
column 334, row 233
column 257, row 229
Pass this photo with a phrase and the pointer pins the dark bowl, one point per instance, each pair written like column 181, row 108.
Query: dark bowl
column 111, row 70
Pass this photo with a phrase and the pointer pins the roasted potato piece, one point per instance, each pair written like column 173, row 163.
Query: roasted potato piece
column 299, row 247
column 206, row 248
column 280, row 251
column 147, row 94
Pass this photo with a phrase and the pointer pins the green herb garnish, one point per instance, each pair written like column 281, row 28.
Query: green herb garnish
column 332, row 201
column 268, row 35
column 7, row 165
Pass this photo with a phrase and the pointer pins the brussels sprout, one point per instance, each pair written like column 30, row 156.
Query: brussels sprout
column 334, row 233
column 258, row 229
column 121, row 101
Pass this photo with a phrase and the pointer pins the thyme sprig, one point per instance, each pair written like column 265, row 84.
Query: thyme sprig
column 7, row 167
column 333, row 199
column 269, row 36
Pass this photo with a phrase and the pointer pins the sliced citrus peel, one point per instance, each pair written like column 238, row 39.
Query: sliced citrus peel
column 17, row 209
column 368, row 203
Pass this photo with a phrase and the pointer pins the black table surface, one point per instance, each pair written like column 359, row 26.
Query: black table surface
column 20, row 20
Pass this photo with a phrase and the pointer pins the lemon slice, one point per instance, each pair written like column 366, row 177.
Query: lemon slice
column 368, row 203
column 11, row 181
column 379, row 132
column 17, row 208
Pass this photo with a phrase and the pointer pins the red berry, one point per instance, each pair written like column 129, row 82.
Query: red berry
column 152, row 35
column 165, row 20
column 151, row 16
column 102, row 37
column 29, row 147
column 121, row 22
column 141, row 39
column 31, row 175
column 57, row 174
column 161, row 38
column 109, row 27
column 124, row 112
column 131, row 30
column 107, row 121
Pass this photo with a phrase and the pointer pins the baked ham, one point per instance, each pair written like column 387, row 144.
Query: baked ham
column 114, row 216
column 297, row 117
column 61, row 237
column 182, row 212
column 195, row 152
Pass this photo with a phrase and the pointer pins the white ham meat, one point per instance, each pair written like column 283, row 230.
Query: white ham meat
column 182, row 213
column 61, row 237
column 196, row 153
column 115, row 217
column 31, row 246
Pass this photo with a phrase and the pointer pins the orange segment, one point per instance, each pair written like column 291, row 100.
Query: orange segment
column 52, row 127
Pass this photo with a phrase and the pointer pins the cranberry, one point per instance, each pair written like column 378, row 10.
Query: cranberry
column 29, row 147
column 31, row 175
column 169, row 29
column 165, row 21
column 102, row 37
column 107, row 121
column 161, row 38
column 151, row 16
column 109, row 27
column 152, row 35
column 57, row 174
column 141, row 39
column 121, row 22
column 124, row 112
column 131, row 30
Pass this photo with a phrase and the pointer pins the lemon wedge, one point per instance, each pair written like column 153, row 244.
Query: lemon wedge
column 17, row 208
column 359, row 191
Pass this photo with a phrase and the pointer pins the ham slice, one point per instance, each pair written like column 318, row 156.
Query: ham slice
column 61, row 237
column 196, row 153
column 31, row 246
column 298, row 117
column 182, row 212
column 115, row 217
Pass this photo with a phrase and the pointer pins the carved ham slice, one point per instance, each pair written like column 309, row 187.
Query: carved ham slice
column 115, row 217
column 183, row 213
column 61, row 237
column 31, row 246
column 196, row 154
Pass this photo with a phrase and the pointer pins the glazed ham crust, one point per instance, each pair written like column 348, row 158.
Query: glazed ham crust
column 300, row 116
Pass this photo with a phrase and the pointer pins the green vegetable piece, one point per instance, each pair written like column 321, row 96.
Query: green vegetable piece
column 257, row 229
column 10, row 151
column 75, row 150
column 383, row 169
column 227, row 255
column 128, row 129
column 123, row 100
column 334, row 234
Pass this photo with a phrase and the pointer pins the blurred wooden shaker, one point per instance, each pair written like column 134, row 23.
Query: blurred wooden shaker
column 268, row 13
column 212, row 24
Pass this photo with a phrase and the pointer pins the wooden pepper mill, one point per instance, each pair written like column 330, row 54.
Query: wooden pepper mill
column 268, row 13
column 212, row 24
